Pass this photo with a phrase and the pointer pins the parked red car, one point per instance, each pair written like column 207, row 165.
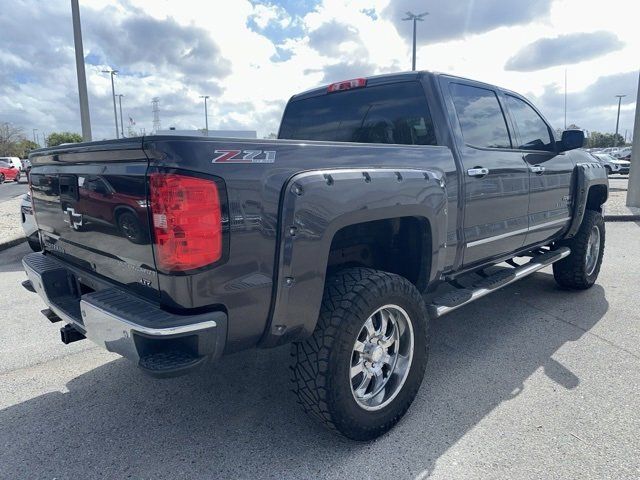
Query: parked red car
column 8, row 172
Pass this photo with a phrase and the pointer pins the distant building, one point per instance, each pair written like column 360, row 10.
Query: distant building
column 211, row 133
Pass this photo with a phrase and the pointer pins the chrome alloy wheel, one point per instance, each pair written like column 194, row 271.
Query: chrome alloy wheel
column 381, row 357
column 593, row 250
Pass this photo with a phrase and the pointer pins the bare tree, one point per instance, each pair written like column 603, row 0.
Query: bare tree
column 10, row 137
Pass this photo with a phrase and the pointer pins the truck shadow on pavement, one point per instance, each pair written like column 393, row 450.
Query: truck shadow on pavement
column 237, row 419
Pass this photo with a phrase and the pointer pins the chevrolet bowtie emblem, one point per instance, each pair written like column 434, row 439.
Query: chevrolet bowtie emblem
column 74, row 219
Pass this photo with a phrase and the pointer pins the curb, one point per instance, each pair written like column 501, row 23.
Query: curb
column 12, row 243
column 621, row 218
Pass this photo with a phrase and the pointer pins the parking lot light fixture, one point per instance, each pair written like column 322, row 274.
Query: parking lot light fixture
column 82, row 78
column 633, row 190
column 415, row 18
column 206, row 115
column 113, row 93
column 121, row 121
column 615, row 138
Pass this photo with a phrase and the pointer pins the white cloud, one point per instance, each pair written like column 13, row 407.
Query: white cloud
column 252, row 56
column 263, row 15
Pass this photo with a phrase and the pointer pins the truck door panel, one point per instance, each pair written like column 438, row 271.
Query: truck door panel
column 550, row 172
column 496, row 177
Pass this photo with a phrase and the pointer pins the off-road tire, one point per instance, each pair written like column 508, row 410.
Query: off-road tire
column 571, row 272
column 320, row 364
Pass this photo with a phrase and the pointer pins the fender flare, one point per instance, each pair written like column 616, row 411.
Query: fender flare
column 316, row 204
column 587, row 175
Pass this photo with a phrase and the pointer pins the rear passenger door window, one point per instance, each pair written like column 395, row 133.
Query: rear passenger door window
column 533, row 132
column 480, row 115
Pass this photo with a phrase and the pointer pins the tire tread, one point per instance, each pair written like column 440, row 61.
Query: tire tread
column 570, row 271
column 311, row 375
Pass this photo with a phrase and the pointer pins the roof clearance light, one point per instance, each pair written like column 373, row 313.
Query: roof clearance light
column 347, row 85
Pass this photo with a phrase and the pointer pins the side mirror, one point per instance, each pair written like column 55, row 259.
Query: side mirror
column 571, row 139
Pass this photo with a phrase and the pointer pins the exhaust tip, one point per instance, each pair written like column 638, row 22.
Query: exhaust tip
column 68, row 334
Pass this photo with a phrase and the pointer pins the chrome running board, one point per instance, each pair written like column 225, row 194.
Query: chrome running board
column 457, row 298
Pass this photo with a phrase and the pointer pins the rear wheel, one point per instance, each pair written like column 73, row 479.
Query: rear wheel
column 17, row 179
column 361, row 369
column 580, row 269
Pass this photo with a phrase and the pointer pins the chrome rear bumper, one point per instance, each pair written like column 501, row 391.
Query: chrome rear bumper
column 124, row 323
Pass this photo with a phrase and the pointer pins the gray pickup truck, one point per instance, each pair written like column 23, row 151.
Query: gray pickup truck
column 385, row 202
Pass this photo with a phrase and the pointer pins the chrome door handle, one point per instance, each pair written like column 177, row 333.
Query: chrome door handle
column 477, row 172
column 537, row 169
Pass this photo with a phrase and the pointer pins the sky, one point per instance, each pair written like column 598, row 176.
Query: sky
column 250, row 56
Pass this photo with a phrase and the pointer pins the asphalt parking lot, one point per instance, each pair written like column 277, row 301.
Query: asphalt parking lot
column 619, row 182
column 530, row 382
column 9, row 190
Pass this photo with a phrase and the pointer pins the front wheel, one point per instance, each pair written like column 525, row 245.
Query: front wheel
column 580, row 269
column 1, row 177
column 362, row 367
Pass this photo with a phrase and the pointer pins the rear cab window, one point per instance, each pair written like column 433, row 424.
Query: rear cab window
column 395, row 114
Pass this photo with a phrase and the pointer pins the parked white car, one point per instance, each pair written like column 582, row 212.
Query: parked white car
column 612, row 164
column 624, row 165
column 15, row 161
column 622, row 153
column 605, row 159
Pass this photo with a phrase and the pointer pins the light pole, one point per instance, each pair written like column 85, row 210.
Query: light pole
column 82, row 79
column 121, row 122
column 565, row 98
column 113, row 92
column 415, row 18
column 633, row 192
column 35, row 138
column 615, row 138
column 206, row 116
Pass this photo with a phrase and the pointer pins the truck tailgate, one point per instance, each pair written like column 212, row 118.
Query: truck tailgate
column 91, row 207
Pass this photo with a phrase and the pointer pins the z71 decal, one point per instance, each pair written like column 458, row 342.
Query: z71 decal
column 244, row 156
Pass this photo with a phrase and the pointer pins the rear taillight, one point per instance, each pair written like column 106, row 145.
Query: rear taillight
column 347, row 85
column 187, row 221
